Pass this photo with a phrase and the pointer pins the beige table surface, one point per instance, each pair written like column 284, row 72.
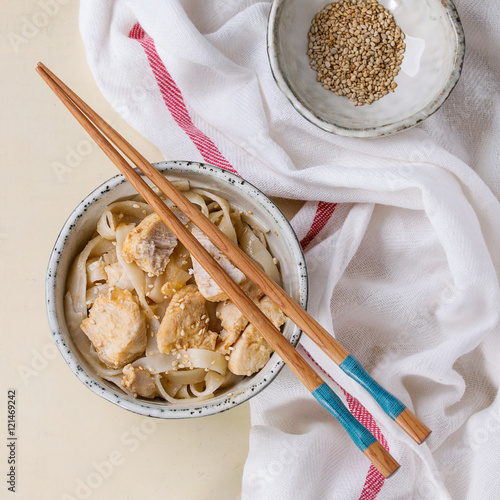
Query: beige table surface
column 72, row 444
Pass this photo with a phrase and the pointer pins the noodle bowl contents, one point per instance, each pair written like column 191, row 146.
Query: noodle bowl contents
column 147, row 317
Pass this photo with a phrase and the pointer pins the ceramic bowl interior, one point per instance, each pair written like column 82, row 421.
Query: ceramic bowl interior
column 81, row 225
column 431, row 67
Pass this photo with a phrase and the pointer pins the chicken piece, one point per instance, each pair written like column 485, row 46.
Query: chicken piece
column 232, row 320
column 150, row 245
column 185, row 324
column 225, row 340
column 251, row 351
column 116, row 326
column 139, row 382
column 207, row 286
column 272, row 311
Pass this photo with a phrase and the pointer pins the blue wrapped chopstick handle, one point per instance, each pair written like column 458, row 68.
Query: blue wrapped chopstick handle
column 390, row 404
column 361, row 436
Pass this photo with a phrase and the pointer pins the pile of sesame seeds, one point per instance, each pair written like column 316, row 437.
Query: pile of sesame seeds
column 356, row 48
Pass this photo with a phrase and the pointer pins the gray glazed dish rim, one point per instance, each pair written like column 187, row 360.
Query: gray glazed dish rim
column 283, row 83
column 106, row 389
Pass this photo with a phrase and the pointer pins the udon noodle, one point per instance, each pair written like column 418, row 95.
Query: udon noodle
column 147, row 317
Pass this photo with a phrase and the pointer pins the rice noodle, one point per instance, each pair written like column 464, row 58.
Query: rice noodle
column 118, row 213
column 254, row 223
column 213, row 381
column 225, row 224
column 253, row 247
column 170, row 399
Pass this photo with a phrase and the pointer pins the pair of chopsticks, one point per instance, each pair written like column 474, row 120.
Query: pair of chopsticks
column 102, row 133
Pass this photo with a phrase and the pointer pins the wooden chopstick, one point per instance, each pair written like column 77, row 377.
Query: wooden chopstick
column 346, row 361
column 360, row 435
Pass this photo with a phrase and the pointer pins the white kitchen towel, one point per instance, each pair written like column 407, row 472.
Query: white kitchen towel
column 401, row 234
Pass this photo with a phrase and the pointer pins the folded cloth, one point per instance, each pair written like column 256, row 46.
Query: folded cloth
column 401, row 236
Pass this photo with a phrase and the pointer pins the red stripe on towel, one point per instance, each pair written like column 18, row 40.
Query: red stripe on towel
column 137, row 32
column 172, row 97
column 374, row 479
column 323, row 214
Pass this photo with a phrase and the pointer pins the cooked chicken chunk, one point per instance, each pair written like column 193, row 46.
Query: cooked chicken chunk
column 226, row 339
column 251, row 352
column 116, row 326
column 232, row 320
column 272, row 311
column 185, row 324
column 150, row 245
column 207, row 286
column 139, row 382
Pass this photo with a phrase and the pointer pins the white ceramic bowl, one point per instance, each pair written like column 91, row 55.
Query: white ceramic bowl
column 76, row 233
column 431, row 67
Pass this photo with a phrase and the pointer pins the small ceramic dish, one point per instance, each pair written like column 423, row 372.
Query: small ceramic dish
column 78, row 230
column 431, row 67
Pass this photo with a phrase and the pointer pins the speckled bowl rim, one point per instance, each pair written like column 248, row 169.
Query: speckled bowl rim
column 282, row 81
column 159, row 410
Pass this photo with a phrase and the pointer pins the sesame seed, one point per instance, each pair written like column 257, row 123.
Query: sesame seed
column 135, row 205
column 356, row 48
